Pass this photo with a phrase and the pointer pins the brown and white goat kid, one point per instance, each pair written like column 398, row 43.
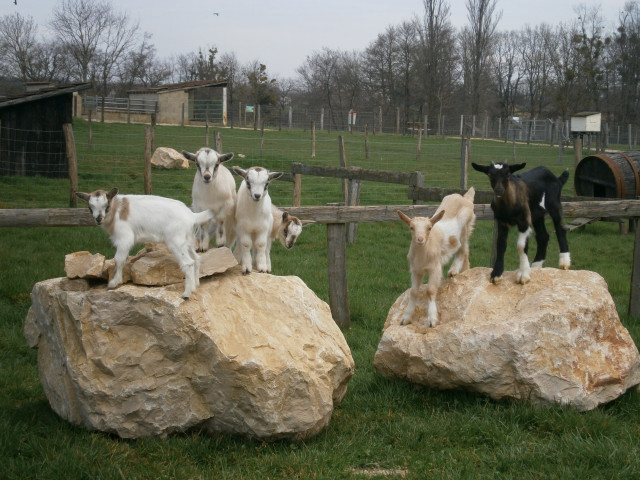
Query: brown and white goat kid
column 523, row 200
column 253, row 217
column 433, row 242
column 286, row 228
column 213, row 189
column 131, row 219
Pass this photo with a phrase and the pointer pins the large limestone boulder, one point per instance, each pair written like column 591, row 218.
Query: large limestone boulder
column 255, row 355
column 165, row 157
column 557, row 339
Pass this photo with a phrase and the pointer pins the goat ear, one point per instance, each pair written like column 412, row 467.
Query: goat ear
column 274, row 175
column 189, row 156
column 225, row 158
column 516, row 167
column 480, row 168
column 239, row 171
column 285, row 216
column 83, row 196
column 403, row 217
column 437, row 217
column 112, row 193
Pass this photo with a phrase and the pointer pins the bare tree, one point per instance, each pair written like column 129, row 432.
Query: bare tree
column 380, row 68
column 117, row 39
column 507, row 71
column 436, row 56
column 79, row 26
column 318, row 76
column 141, row 67
column 478, row 41
column 536, row 68
column 589, row 46
column 626, row 47
column 18, row 45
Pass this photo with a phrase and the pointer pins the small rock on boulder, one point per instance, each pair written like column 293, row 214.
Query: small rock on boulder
column 254, row 355
column 154, row 265
column 165, row 157
column 557, row 339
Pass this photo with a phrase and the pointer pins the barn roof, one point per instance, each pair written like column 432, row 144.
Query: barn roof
column 43, row 92
column 181, row 86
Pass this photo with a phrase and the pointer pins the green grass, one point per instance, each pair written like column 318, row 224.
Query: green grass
column 381, row 425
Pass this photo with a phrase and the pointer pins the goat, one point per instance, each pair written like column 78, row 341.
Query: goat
column 286, row 228
column 131, row 219
column 523, row 200
column 253, row 217
column 433, row 242
column 213, row 189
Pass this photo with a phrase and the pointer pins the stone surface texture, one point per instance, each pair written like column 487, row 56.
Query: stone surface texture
column 254, row 355
column 557, row 339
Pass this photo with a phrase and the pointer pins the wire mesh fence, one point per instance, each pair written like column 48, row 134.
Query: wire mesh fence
column 113, row 154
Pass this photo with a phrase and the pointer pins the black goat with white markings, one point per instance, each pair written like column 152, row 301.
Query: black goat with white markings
column 523, row 200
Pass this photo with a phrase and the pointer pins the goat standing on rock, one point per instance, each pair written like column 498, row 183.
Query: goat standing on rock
column 523, row 200
column 131, row 219
column 254, row 218
column 433, row 242
column 213, row 189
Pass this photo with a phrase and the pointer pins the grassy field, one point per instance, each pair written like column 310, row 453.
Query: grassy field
column 383, row 428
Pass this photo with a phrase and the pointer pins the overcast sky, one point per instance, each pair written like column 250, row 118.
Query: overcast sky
column 282, row 33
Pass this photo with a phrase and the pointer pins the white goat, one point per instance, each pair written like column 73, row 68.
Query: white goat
column 286, row 228
column 253, row 218
column 433, row 242
column 213, row 189
column 131, row 219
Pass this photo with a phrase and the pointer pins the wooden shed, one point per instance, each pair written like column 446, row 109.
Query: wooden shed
column 31, row 136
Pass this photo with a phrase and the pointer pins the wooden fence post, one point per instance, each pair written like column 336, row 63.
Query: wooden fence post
column 577, row 149
column 337, row 266
column 343, row 164
column 419, row 184
column 90, row 130
column 634, row 294
column 206, row 133
column 313, row 139
column 218, row 140
column 354, row 200
column 297, row 189
column 419, row 148
column 366, row 141
column 148, row 147
column 464, row 163
column 261, row 136
column 73, row 164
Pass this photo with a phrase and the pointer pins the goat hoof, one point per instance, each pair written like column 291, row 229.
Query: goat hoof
column 522, row 278
column 496, row 280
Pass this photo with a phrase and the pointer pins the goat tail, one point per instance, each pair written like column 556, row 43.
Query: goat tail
column 564, row 176
column 471, row 193
column 201, row 218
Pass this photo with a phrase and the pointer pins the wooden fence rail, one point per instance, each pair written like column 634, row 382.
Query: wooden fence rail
column 336, row 216
column 80, row 217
